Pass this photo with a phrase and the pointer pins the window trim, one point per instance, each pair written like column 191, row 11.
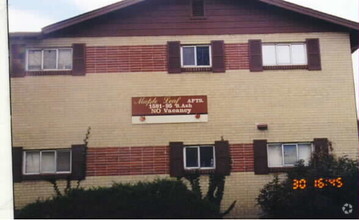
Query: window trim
column 290, row 44
column 42, row 59
column 40, row 162
column 283, row 165
column 195, row 56
column 199, row 158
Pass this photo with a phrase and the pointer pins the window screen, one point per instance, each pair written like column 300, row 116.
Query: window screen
column 48, row 162
column 50, row 59
column 283, row 54
column 299, row 54
column 290, row 154
column 206, row 155
column 63, row 161
column 65, row 59
column 189, row 56
column 192, row 157
column 304, row 152
column 203, row 56
column 269, row 57
column 34, row 58
column 32, row 162
column 275, row 155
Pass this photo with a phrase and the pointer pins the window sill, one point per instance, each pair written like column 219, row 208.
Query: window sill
column 46, row 176
column 199, row 171
column 287, row 67
column 280, row 169
column 48, row 73
column 196, row 69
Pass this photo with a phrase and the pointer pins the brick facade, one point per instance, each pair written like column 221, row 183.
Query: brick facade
column 237, row 56
column 63, row 107
column 150, row 58
column 242, row 157
column 113, row 161
column 126, row 59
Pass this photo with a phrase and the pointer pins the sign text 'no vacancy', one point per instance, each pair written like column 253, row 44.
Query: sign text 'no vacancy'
column 169, row 109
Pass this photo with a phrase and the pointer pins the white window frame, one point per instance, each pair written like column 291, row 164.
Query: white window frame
column 42, row 58
column 199, row 158
column 282, row 148
column 290, row 51
column 195, row 56
column 40, row 162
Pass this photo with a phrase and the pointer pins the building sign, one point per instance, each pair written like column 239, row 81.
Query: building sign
column 169, row 109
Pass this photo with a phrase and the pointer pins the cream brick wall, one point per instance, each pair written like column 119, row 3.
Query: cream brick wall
column 30, row 191
column 298, row 105
column 240, row 187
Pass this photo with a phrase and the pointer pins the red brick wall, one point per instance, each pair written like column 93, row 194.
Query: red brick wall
column 113, row 161
column 150, row 58
column 126, row 59
column 242, row 157
column 237, row 56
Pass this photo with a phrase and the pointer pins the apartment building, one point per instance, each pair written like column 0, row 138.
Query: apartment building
column 168, row 87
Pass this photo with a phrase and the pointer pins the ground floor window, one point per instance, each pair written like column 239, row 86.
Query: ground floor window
column 287, row 154
column 47, row 161
column 199, row 157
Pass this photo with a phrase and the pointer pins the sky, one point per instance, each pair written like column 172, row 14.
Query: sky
column 40, row 13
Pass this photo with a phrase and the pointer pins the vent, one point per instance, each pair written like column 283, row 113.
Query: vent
column 197, row 8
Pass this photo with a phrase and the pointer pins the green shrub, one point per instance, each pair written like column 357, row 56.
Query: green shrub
column 279, row 199
column 158, row 199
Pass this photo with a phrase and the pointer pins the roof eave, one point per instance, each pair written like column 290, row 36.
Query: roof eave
column 313, row 13
column 26, row 35
column 89, row 15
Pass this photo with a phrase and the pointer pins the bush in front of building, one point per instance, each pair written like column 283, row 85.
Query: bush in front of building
column 158, row 199
column 327, row 188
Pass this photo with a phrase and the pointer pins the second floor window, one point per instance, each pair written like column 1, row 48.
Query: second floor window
column 196, row 56
column 284, row 54
column 49, row 59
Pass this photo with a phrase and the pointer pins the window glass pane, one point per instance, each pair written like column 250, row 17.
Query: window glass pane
column 283, row 54
column 63, row 161
column 206, row 155
column 32, row 162
column 191, row 157
column 48, row 162
column 49, row 59
column 299, row 54
column 269, row 58
column 290, row 154
column 188, row 56
column 203, row 56
column 304, row 152
column 275, row 155
column 65, row 59
column 34, row 60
